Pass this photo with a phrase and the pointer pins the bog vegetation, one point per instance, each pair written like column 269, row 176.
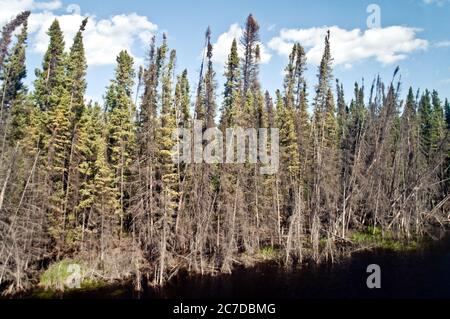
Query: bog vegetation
column 96, row 184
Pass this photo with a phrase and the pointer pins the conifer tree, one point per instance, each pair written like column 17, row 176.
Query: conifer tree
column 342, row 110
column 325, row 187
column 425, row 113
column 447, row 134
column 182, row 100
column 447, row 113
column 51, row 78
column 409, row 134
column 249, row 41
column 145, row 199
column 98, row 208
column 76, row 71
column 57, row 147
column 7, row 33
column 438, row 122
column 14, row 72
column 121, row 126
column 167, row 174
column 14, row 92
column 231, row 87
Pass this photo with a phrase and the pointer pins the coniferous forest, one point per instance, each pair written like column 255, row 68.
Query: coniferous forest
column 95, row 184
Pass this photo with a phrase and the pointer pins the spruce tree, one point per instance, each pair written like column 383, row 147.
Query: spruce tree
column 8, row 31
column 121, row 126
column 409, row 134
column 57, row 149
column 14, row 92
column 52, row 77
column 249, row 41
column 231, row 87
column 14, row 72
column 76, row 71
column 447, row 113
column 438, row 122
column 210, row 90
column 98, row 194
column 425, row 113
column 167, row 174
column 182, row 100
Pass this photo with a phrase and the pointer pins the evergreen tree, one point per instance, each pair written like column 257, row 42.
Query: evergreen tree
column 76, row 71
column 231, row 87
column 57, row 148
column 8, row 31
column 409, row 134
column 342, row 110
column 425, row 113
column 167, row 174
column 447, row 113
column 121, row 126
column 438, row 122
column 325, row 177
column 182, row 100
column 98, row 195
column 14, row 91
column 51, row 78
column 210, row 88
column 249, row 41
column 14, row 72
column 288, row 138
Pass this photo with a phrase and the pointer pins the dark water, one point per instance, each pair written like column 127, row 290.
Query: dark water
column 424, row 273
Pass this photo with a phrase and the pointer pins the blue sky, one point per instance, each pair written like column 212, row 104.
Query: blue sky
column 413, row 34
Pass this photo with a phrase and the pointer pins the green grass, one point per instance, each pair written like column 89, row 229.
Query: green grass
column 374, row 236
column 58, row 274
column 269, row 253
column 54, row 280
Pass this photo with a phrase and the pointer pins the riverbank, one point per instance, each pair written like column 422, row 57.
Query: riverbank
column 402, row 263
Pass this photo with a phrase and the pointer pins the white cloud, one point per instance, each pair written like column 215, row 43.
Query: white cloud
column 221, row 48
column 443, row 44
column 52, row 5
column 386, row 45
column 103, row 38
column 10, row 8
column 436, row 2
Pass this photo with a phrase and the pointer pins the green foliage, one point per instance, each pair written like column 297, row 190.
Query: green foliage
column 76, row 72
column 121, row 125
column 231, row 87
column 51, row 78
column 376, row 237
column 426, row 124
column 269, row 253
column 288, row 137
column 182, row 100
column 57, row 275
column 14, row 73
column 447, row 113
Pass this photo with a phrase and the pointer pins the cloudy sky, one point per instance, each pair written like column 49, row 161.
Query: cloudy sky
column 413, row 34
